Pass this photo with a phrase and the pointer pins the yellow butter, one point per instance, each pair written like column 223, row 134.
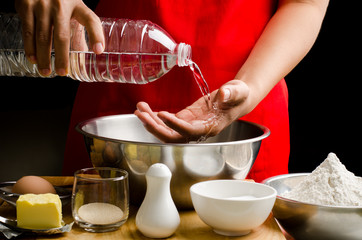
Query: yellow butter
column 39, row 211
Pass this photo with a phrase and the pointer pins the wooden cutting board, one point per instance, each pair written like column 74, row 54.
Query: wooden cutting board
column 191, row 226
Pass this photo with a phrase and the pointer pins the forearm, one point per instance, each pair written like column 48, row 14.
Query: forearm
column 287, row 38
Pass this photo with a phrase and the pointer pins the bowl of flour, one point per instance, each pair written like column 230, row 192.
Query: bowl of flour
column 323, row 204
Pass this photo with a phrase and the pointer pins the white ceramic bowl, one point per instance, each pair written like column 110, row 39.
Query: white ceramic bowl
column 232, row 207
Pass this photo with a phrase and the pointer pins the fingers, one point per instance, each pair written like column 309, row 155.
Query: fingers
column 155, row 125
column 147, row 111
column 61, row 46
column 86, row 17
column 43, row 38
column 191, row 130
column 45, row 22
column 198, row 121
column 28, row 33
column 171, row 128
column 161, row 132
column 92, row 23
column 61, row 43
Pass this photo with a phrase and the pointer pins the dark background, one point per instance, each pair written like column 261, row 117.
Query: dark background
column 324, row 98
column 324, row 94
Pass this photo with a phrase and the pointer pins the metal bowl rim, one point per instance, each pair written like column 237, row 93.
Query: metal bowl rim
column 290, row 175
column 79, row 128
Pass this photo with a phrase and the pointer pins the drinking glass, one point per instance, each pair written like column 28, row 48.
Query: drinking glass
column 100, row 198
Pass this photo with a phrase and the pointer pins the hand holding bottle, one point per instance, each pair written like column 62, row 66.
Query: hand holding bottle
column 198, row 121
column 47, row 22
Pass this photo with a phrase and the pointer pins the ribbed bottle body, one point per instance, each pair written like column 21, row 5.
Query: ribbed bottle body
column 135, row 52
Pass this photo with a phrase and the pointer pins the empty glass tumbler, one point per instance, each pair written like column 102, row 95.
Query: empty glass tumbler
column 135, row 52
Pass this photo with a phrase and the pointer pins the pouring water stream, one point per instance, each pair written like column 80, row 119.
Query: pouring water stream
column 212, row 107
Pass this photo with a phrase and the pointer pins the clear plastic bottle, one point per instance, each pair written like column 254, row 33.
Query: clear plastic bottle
column 135, row 52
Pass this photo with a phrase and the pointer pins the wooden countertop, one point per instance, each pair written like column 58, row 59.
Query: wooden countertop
column 191, row 226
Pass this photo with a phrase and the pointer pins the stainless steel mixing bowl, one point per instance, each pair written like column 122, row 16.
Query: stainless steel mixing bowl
column 311, row 221
column 122, row 141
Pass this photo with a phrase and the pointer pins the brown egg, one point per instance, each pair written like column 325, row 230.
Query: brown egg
column 33, row 184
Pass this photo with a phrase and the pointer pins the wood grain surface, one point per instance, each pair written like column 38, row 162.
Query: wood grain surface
column 191, row 226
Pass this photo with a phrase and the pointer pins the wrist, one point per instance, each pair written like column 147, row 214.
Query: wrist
column 255, row 93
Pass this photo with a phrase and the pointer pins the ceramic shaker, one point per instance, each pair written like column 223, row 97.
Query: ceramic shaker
column 158, row 216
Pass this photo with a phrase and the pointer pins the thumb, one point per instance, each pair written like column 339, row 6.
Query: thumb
column 92, row 23
column 232, row 93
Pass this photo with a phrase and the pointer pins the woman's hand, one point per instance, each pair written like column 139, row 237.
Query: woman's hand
column 284, row 42
column 199, row 121
column 47, row 22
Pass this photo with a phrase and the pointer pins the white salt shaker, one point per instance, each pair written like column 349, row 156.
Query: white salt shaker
column 158, row 217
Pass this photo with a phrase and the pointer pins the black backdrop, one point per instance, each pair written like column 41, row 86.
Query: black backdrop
column 324, row 94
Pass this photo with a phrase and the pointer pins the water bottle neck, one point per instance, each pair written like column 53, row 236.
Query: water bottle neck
column 183, row 54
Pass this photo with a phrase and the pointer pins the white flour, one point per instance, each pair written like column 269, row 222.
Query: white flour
column 329, row 184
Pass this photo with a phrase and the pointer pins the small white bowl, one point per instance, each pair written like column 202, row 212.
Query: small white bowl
column 232, row 207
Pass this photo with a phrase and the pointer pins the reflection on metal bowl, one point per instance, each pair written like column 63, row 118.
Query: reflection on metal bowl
column 122, row 141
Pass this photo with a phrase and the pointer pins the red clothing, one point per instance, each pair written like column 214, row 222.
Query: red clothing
column 221, row 34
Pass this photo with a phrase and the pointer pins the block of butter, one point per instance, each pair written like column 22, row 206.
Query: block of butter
column 39, row 211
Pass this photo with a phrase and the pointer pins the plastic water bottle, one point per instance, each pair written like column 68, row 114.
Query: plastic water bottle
column 135, row 52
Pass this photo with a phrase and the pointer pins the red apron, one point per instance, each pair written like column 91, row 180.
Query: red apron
column 221, row 34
